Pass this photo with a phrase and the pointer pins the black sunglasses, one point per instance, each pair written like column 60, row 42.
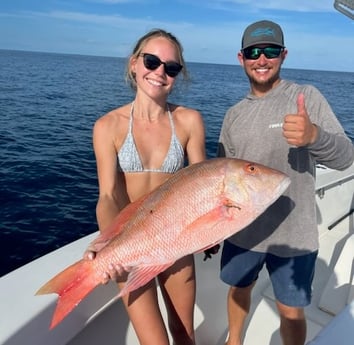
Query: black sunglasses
column 152, row 62
column 253, row 53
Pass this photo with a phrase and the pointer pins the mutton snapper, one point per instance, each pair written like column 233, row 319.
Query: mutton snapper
column 195, row 209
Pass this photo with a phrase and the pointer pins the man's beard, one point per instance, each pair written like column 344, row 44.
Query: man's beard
column 263, row 84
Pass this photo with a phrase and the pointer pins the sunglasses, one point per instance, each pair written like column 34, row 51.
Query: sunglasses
column 152, row 62
column 253, row 53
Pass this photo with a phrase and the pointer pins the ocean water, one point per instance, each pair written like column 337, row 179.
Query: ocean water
column 48, row 105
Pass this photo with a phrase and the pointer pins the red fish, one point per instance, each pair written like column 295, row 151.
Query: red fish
column 195, row 209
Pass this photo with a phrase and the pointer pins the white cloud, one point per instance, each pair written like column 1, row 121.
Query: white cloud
column 115, row 1
column 288, row 5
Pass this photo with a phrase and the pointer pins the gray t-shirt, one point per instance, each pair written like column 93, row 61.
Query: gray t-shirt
column 252, row 130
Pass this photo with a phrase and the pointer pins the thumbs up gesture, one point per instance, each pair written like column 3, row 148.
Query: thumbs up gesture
column 298, row 130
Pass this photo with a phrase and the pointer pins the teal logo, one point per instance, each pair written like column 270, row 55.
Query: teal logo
column 263, row 32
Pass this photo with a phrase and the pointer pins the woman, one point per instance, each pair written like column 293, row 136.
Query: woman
column 137, row 147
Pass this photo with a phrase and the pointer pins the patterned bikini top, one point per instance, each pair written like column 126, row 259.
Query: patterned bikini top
column 129, row 159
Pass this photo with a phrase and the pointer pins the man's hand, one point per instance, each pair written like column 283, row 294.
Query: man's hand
column 211, row 251
column 298, row 130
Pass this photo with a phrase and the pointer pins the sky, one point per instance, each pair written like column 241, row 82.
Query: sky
column 317, row 36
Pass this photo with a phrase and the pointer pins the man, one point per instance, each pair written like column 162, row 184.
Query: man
column 288, row 127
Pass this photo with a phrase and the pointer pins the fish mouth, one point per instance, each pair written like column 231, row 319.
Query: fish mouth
column 276, row 193
column 284, row 184
column 280, row 188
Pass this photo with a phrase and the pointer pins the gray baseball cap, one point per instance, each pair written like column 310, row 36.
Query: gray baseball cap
column 262, row 32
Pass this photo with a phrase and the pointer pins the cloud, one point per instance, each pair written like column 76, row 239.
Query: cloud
column 280, row 5
column 113, row 20
column 208, row 34
column 114, row 1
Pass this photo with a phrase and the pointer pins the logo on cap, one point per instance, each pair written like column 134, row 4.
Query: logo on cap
column 263, row 32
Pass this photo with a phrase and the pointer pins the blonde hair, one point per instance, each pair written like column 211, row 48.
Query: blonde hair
column 130, row 75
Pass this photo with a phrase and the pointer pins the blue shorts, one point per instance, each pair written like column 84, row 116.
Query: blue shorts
column 291, row 277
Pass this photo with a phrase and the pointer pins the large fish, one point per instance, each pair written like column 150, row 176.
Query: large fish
column 195, row 209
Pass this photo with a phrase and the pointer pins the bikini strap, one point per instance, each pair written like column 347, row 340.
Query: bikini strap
column 131, row 118
column 171, row 119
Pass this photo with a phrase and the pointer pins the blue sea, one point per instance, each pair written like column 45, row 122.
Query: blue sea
column 48, row 105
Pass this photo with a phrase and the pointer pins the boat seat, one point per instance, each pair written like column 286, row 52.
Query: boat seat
column 351, row 290
column 339, row 331
column 339, row 290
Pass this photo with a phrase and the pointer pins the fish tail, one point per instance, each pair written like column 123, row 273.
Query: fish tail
column 72, row 285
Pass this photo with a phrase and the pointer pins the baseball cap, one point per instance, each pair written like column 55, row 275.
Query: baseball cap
column 263, row 32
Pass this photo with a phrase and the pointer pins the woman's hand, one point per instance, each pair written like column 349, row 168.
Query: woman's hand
column 114, row 272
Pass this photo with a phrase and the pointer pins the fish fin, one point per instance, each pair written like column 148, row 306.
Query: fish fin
column 116, row 226
column 142, row 275
column 208, row 223
column 72, row 285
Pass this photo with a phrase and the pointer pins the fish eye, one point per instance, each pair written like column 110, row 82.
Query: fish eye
column 251, row 168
